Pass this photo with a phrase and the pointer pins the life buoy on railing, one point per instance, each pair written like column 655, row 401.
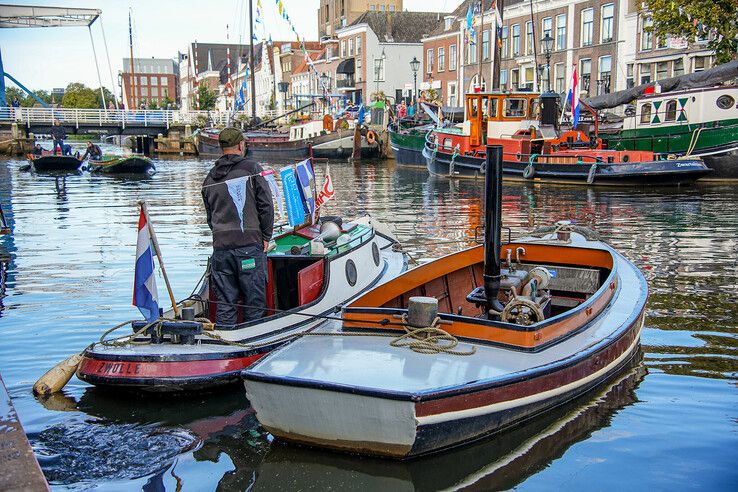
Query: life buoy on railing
column 371, row 137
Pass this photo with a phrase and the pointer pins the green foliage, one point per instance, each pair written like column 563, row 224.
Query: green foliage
column 697, row 18
column 26, row 101
column 153, row 104
column 208, row 97
column 108, row 97
column 77, row 95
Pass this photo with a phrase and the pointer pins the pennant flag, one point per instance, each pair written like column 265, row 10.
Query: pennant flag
column 145, row 297
column 272, row 182
column 306, row 179
column 470, row 24
column 237, row 190
column 295, row 210
column 327, row 192
column 361, row 115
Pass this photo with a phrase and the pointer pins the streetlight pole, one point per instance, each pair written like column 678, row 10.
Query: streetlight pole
column 546, row 45
column 415, row 66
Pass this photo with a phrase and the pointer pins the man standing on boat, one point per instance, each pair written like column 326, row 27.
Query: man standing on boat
column 241, row 215
column 58, row 134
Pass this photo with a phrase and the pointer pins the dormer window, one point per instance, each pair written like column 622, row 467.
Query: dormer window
column 448, row 22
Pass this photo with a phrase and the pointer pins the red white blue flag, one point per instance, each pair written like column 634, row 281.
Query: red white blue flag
column 573, row 96
column 145, row 297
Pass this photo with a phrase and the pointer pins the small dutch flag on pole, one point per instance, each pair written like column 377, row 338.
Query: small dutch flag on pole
column 145, row 296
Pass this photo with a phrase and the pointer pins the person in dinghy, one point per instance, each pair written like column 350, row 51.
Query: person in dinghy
column 241, row 233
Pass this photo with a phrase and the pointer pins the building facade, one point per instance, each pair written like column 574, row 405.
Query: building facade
column 336, row 14
column 212, row 64
column 153, row 82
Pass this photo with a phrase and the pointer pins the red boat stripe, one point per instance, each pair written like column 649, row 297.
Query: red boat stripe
column 171, row 369
column 531, row 386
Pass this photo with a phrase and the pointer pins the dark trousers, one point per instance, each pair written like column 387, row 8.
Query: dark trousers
column 60, row 143
column 236, row 272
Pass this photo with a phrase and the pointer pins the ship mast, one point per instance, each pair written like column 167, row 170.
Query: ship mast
column 133, row 71
column 253, row 64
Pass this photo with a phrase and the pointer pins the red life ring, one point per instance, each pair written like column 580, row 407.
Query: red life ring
column 371, row 137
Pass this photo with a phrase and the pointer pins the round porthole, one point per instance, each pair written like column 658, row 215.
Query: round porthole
column 725, row 102
column 351, row 273
column 375, row 253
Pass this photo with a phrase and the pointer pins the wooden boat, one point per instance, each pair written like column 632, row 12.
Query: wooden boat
column 51, row 162
column 560, row 315
column 263, row 146
column 536, row 149
column 307, row 279
column 112, row 164
column 335, row 139
column 407, row 141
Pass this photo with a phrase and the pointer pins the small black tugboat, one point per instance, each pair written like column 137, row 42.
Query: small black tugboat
column 51, row 162
column 263, row 146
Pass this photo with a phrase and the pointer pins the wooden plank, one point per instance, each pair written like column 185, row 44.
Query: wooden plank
column 19, row 470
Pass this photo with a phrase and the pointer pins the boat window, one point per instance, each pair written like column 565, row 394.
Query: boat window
column 534, row 109
column 646, row 113
column 515, row 108
column 671, row 107
column 492, row 108
column 473, row 107
column 725, row 102
column 448, row 143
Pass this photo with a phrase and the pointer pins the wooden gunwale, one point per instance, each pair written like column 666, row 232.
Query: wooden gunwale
column 529, row 338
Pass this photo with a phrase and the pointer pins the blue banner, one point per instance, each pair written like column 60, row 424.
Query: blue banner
column 295, row 210
column 306, row 179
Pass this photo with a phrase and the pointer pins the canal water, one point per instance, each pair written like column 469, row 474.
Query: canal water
column 669, row 422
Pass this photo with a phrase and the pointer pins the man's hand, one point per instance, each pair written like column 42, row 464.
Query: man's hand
column 266, row 246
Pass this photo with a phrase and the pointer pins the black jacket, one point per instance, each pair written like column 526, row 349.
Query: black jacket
column 58, row 132
column 258, row 210
column 94, row 152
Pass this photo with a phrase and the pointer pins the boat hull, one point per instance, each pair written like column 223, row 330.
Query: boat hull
column 211, row 364
column 654, row 173
column 260, row 150
column 340, row 145
column 126, row 165
column 55, row 163
column 408, row 148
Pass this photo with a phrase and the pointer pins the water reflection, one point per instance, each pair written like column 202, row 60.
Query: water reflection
column 72, row 250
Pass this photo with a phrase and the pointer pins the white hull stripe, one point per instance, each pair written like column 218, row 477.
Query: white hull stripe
column 498, row 407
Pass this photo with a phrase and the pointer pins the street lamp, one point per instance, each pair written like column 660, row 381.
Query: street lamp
column 415, row 66
column 325, row 79
column 546, row 47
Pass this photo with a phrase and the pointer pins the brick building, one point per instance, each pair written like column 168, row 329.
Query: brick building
column 156, row 80
column 335, row 14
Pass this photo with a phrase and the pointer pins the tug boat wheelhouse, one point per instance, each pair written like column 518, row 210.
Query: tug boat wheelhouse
column 560, row 314
column 310, row 271
column 535, row 149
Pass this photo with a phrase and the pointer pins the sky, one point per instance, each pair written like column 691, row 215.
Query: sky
column 44, row 58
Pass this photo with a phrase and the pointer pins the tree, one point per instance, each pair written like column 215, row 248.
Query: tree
column 697, row 18
column 108, row 97
column 208, row 97
column 77, row 95
column 12, row 93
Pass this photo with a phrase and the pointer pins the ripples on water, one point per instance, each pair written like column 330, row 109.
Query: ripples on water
column 668, row 423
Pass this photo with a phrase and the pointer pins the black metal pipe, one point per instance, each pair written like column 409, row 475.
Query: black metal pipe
column 492, row 229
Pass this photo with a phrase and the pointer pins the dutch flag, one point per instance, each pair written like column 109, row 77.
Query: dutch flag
column 145, row 297
column 573, row 96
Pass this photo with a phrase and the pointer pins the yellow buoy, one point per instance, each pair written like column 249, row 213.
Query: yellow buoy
column 58, row 376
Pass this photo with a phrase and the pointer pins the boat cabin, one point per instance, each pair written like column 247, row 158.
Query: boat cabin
column 298, row 268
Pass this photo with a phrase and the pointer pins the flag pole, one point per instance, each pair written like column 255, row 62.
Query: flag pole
column 154, row 241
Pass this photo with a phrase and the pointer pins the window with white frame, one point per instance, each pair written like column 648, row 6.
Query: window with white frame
column 699, row 63
column 429, row 61
column 351, row 47
column 529, row 38
column 452, row 57
column 561, row 32
column 441, row 59
column 471, row 53
column 452, row 96
column 529, row 77
column 504, row 41
column 587, row 26
column 547, row 28
column 646, row 36
column 607, row 23
column 605, row 75
column 585, row 74
column 560, row 78
column 485, row 45
column 358, row 45
column 515, row 39
column 645, row 71
column 629, row 76
column 503, row 80
column 662, row 70
column 514, row 79
column 343, row 48
column 678, row 67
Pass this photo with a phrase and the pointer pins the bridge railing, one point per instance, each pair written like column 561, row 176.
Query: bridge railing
column 162, row 118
